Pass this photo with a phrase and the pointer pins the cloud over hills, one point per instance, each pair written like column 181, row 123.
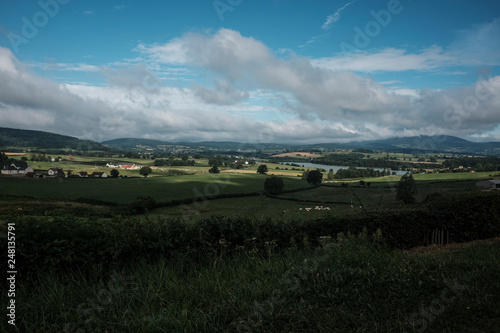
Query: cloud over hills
column 289, row 98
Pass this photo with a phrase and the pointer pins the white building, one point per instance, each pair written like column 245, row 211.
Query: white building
column 489, row 184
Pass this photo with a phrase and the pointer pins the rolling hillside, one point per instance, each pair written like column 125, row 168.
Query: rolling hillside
column 17, row 139
column 12, row 139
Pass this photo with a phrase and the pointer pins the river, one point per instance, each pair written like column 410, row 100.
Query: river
column 335, row 167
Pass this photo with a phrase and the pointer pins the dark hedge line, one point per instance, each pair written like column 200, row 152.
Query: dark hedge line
column 68, row 241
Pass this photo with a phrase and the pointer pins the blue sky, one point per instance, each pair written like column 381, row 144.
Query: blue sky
column 251, row 71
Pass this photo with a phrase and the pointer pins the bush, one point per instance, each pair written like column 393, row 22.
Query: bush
column 214, row 169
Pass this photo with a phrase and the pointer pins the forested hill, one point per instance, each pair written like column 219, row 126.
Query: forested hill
column 12, row 139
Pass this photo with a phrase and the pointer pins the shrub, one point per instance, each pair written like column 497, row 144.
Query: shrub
column 214, row 169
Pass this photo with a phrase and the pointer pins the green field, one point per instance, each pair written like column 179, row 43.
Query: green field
column 257, row 207
column 126, row 190
column 329, row 199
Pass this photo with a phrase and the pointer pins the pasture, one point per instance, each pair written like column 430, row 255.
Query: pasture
column 126, row 190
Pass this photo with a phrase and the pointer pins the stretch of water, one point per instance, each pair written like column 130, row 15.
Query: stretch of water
column 335, row 167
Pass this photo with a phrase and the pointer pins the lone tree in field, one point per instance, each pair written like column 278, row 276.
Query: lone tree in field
column 115, row 173
column 331, row 175
column 274, row 185
column 314, row 177
column 214, row 169
column 262, row 169
column 406, row 189
column 145, row 171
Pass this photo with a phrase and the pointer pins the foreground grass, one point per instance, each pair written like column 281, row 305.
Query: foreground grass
column 349, row 286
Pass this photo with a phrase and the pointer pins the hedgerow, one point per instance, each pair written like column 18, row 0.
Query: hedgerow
column 66, row 241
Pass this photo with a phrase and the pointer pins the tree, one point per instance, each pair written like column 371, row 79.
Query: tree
column 305, row 174
column 274, row 185
column 3, row 158
column 330, row 176
column 115, row 173
column 214, row 169
column 314, row 177
column 262, row 169
column 406, row 189
column 145, row 171
column 217, row 160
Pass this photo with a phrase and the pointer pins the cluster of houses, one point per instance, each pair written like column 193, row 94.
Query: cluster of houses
column 19, row 168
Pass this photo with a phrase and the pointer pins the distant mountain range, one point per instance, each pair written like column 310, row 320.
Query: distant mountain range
column 427, row 144
column 415, row 145
column 16, row 138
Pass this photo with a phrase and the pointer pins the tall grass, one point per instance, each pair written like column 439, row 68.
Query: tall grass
column 350, row 284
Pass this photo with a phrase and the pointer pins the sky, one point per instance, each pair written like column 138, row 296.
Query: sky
column 252, row 71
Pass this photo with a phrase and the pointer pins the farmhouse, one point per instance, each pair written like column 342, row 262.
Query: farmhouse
column 56, row 172
column 82, row 174
column 99, row 174
column 17, row 168
column 489, row 184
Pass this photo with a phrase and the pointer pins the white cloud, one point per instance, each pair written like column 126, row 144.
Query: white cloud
column 331, row 19
column 243, row 91
column 389, row 60
column 478, row 45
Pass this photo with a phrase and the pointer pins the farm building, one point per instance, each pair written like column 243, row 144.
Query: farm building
column 99, row 174
column 489, row 184
column 56, row 172
column 129, row 166
column 17, row 168
column 82, row 174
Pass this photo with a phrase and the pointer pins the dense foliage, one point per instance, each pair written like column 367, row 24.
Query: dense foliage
column 358, row 160
column 174, row 162
column 353, row 172
column 478, row 164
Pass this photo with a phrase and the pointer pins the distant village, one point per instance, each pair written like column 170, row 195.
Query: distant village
column 21, row 168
